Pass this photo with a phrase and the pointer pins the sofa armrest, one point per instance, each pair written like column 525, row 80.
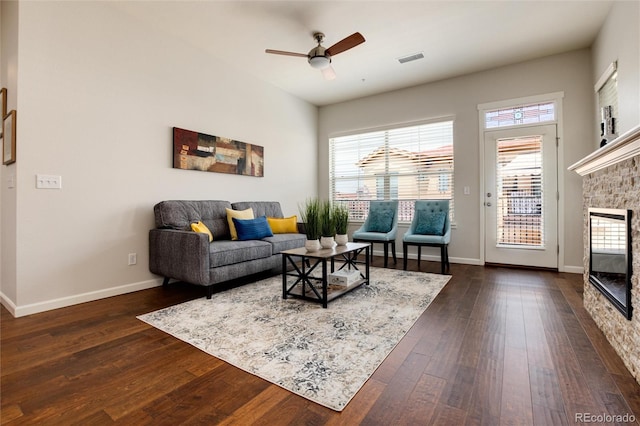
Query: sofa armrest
column 181, row 255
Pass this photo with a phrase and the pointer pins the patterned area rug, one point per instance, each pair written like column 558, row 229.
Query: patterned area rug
column 325, row 355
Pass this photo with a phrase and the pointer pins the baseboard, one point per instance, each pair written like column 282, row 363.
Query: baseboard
column 573, row 269
column 34, row 308
column 467, row 261
column 8, row 303
column 431, row 258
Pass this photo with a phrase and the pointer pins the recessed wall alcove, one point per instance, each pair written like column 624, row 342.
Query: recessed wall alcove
column 611, row 180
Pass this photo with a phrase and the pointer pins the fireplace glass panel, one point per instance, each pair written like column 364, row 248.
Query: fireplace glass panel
column 610, row 254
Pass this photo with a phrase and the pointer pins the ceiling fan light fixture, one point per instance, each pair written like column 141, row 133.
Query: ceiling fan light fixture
column 319, row 62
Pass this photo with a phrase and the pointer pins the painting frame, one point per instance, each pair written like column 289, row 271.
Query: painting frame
column 3, row 100
column 9, row 138
column 202, row 152
column 3, row 106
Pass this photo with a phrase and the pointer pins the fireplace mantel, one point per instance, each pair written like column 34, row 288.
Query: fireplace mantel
column 625, row 146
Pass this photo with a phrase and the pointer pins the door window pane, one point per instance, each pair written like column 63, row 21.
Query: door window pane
column 519, row 192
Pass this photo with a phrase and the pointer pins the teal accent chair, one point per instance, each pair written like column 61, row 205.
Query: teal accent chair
column 380, row 226
column 430, row 227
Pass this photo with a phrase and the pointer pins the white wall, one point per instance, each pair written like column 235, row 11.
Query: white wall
column 8, row 80
column 459, row 97
column 98, row 94
column 619, row 40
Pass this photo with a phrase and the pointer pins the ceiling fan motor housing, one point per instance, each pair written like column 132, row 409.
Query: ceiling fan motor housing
column 318, row 58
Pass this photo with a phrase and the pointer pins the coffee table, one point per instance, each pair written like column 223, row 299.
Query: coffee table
column 316, row 288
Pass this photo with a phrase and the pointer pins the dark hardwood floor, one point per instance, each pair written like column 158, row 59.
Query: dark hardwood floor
column 497, row 346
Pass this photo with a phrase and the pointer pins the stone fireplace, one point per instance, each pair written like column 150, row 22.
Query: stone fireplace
column 611, row 180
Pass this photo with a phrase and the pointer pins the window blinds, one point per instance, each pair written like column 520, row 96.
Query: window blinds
column 406, row 163
column 519, row 192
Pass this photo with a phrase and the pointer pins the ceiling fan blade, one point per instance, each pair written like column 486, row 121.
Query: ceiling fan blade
column 345, row 44
column 282, row 52
column 329, row 73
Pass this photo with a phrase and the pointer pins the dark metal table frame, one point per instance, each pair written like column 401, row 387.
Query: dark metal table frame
column 314, row 288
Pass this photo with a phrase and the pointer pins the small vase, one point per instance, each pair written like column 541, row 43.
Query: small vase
column 342, row 239
column 312, row 245
column 327, row 242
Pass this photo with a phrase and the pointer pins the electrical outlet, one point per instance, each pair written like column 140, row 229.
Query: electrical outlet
column 133, row 259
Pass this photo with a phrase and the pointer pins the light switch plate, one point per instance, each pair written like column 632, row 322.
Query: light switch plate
column 48, row 182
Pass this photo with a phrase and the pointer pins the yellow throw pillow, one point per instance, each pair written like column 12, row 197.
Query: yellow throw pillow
column 238, row 214
column 202, row 228
column 288, row 225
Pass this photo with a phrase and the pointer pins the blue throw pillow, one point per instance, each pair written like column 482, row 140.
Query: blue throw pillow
column 430, row 223
column 380, row 221
column 252, row 229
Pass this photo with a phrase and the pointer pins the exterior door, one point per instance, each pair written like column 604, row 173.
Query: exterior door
column 520, row 197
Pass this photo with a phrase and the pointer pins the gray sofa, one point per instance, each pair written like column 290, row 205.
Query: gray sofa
column 176, row 252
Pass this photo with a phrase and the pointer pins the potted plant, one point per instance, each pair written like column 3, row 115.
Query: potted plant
column 328, row 225
column 341, row 218
column 310, row 215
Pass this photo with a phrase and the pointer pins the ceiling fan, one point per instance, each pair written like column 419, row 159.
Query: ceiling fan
column 319, row 57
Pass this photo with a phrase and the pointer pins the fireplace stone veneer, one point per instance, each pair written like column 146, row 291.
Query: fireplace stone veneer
column 616, row 185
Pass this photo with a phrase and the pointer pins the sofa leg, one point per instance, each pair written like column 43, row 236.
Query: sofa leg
column 209, row 291
column 165, row 282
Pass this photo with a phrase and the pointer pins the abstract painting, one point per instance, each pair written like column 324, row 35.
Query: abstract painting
column 199, row 151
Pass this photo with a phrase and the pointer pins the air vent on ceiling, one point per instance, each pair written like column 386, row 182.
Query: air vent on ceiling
column 410, row 58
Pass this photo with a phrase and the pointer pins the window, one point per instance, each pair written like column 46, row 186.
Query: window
column 519, row 192
column 523, row 114
column 405, row 163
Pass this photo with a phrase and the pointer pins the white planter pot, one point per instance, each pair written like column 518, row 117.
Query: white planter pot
column 327, row 242
column 342, row 239
column 312, row 245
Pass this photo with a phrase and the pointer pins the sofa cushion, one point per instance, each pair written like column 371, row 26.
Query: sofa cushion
column 287, row 225
column 260, row 208
column 180, row 214
column 202, row 228
column 228, row 252
column 237, row 214
column 286, row 241
column 252, row 229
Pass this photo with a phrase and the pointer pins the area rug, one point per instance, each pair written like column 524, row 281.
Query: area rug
column 324, row 355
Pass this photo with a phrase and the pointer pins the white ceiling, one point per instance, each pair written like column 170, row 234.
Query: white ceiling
column 456, row 38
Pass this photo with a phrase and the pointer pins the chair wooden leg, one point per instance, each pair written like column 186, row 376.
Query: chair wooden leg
column 443, row 250
column 404, row 255
column 386, row 253
column 446, row 256
column 419, row 255
column 393, row 250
